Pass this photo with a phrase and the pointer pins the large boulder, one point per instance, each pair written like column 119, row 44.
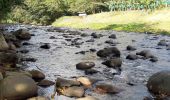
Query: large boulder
column 3, row 43
column 113, row 63
column 159, row 83
column 37, row 75
column 22, row 34
column 8, row 59
column 17, row 87
column 109, row 52
column 85, row 65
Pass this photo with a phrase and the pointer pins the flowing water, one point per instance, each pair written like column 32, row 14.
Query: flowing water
column 60, row 59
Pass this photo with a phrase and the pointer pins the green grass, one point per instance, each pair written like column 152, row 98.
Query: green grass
column 130, row 21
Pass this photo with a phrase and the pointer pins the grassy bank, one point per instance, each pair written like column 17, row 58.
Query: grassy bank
column 131, row 21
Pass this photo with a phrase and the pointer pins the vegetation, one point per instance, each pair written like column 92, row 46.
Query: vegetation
column 130, row 21
column 46, row 11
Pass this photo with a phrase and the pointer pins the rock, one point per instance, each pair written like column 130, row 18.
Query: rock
column 22, row 34
column 107, row 88
column 85, row 65
column 111, row 42
column 131, row 48
column 109, row 52
column 3, row 43
column 154, row 59
column 52, row 37
column 81, row 52
column 17, row 88
column 132, row 57
column 91, row 71
column 45, row 46
column 28, row 59
column 73, row 91
column 39, row 98
column 26, row 43
column 92, row 50
column 113, row 36
column 84, row 35
column 88, row 98
column 12, row 46
column 8, row 59
column 168, row 47
column 87, row 81
column 24, row 51
column 60, row 82
column 17, row 73
column 90, row 40
column 145, row 53
column 94, row 35
column 113, row 63
column 37, row 75
column 162, row 43
column 68, row 39
column 159, row 83
column 45, row 83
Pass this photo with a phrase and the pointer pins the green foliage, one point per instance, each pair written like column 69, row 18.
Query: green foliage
column 46, row 11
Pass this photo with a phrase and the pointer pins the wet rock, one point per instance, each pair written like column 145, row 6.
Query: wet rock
column 168, row 47
column 22, row 34
column 145, row 53
column 61, row 82
column 113, row 36
column 93, row 50
column 73, row 91
column 12, row 46
column 85, row 65
column 90, row 40
column 154, row 59
column 88, row 98
column 131, row 48
column 45, row 46
column 8, row 59
column 28, row 59
column 24, row 51
column 107, row 88
column 26, row 43
column 91, row 71
column 132, row 57
column 159, row 83
column 81, row 52
column 68, row 39
column 111, row 42
column 10, row 37
column 3, row 43
column 87, row 81
column 39, row 98
column 17, row 88
column 84, row 35
column 45, row 83
column 109, row 52
column 52, row 37
column 113, row 63
column 37, row 75
column 162, row 43
column 95, row 35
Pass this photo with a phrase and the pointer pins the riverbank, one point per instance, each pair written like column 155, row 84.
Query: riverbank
column 129, row 21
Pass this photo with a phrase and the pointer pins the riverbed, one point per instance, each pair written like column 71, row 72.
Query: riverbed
column 61, row 58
